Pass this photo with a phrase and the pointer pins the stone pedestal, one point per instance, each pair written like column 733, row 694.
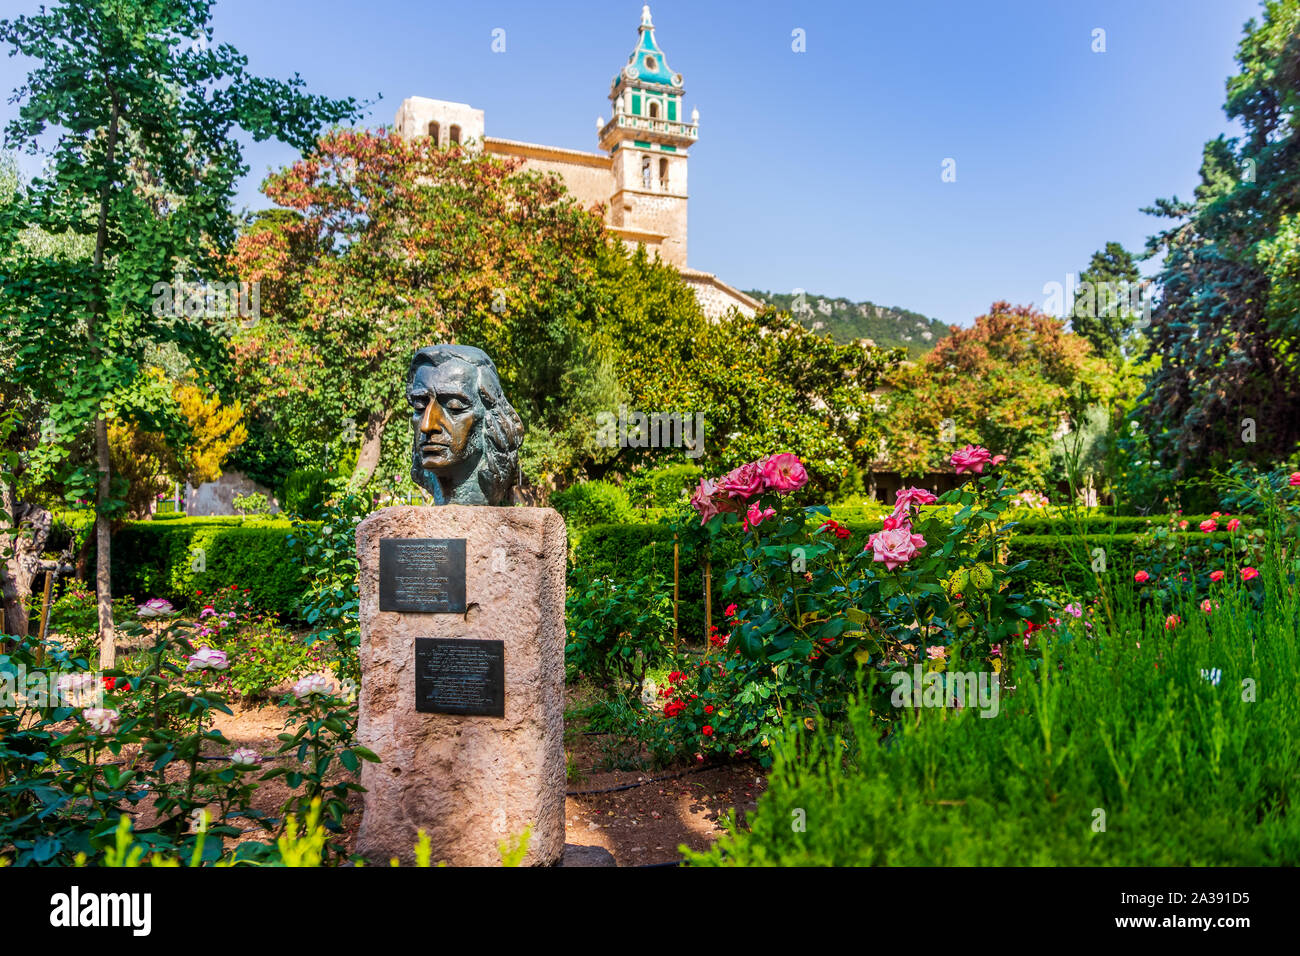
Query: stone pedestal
column 470, row 782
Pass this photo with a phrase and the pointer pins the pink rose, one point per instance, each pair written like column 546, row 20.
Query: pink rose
column 1248, row 573
column 971, row 458
column 756, row 516
column 895, row 545
column 745, row 481
column 1208, row 525
column 706, row 500
column 784, row 473
column 907, row 497
column 1295, row 479
column 1216, row 575
column 1234, row 524
column 1141, row 577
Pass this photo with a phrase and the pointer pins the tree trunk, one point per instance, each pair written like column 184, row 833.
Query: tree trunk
column 371, row 446
column 103, row 539
column 103, row 544
column 24, row 528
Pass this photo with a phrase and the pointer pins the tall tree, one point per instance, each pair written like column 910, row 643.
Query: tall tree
column 1012, row 382
column 143, row 111
column 24, row 522
column 1107, row 306
column 1226, row 326
column 385, row 244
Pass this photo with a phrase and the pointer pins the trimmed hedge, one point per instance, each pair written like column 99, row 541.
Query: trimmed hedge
column 1051, row 562
column 592, row 502
column 628, row 552
column 156, row 559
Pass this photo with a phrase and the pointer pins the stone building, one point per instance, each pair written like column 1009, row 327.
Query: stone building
column 639, row 175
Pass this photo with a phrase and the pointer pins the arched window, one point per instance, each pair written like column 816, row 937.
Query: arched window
column 455, row 134
column 645, row 172
column 654, row 109
column 433, row 133
column 663, row 174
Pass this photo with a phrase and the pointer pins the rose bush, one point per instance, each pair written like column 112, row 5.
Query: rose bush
column 812, row 613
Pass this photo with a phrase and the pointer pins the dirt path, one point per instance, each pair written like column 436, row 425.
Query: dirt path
column 638, row 825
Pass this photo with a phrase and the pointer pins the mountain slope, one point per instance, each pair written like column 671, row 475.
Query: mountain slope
column 887, row 326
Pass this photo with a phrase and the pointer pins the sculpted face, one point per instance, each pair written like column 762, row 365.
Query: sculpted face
column 446, row 412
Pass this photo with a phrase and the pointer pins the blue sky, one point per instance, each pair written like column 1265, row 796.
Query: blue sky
column 821, row 170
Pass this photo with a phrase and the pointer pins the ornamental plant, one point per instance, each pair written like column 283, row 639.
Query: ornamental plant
column 617, row 631
column 326, row 554
column 1179, row 561
column 263, row 655
column 814, row 613
column 74, row 764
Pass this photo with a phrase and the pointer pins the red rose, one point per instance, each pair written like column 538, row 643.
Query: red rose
column 706, row 730
column 708, row 708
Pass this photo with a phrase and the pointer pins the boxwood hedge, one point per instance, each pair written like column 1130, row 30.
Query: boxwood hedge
column 162, row 559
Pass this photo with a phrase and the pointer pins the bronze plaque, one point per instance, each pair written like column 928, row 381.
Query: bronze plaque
column 456, row 675
column 422, row 575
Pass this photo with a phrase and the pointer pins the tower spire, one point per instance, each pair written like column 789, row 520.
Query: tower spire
column 647, row 139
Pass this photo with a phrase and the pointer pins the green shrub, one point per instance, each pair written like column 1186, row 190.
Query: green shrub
column 1067, row 558
column 70, row 530
column 662, row 487
column 629, row 552
column 175, row 559
column 326, row 555
column 305, row 491
column 592, row 502
column 617, row 631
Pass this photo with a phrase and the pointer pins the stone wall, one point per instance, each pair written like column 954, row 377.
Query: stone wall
column 217, row 497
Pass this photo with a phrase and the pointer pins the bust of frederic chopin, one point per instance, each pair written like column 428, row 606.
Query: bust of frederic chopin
column 466, row 444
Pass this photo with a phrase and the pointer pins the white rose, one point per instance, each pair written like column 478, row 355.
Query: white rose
column 244, row 757
column 101, row 719
column 208, row 657
column 312, row 684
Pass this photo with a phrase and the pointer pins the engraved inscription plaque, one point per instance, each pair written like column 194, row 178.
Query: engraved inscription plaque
column 456, row 675
column 422, row 575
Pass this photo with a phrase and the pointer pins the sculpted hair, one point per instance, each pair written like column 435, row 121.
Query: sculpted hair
column 502, row 430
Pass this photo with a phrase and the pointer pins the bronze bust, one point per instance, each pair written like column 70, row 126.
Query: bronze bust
column 467, row 436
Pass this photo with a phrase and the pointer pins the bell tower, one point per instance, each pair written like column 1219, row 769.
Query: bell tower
column 647, row 140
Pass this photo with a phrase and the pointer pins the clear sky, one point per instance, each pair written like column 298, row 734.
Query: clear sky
column 821, row 169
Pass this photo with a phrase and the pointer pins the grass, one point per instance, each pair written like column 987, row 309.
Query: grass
column 1118, row 748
